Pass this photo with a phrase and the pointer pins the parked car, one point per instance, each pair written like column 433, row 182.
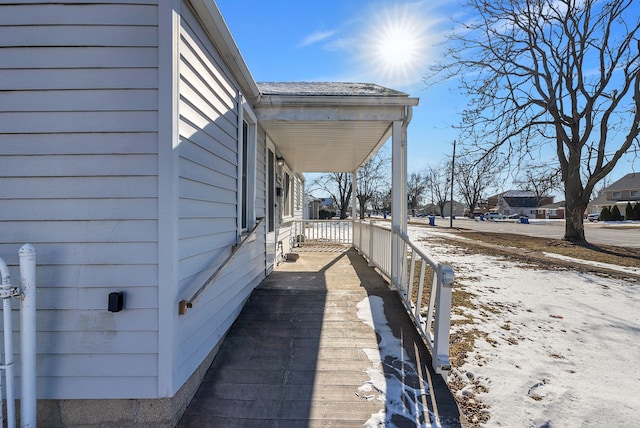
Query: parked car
column 495, row 216
column 593, row 217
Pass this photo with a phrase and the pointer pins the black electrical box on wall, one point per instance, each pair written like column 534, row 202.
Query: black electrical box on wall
column 116, row 301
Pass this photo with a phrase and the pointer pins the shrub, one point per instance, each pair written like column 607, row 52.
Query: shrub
column 326, row 214
column 630, row 213
column 605, row 214
column 637, row 210
column 615, row 214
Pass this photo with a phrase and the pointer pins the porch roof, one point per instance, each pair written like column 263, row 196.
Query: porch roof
column 329, row 126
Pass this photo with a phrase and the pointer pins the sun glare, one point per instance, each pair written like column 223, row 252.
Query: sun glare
column 397, row 45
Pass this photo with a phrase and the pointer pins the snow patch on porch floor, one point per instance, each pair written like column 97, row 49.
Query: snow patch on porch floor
column 388, row 373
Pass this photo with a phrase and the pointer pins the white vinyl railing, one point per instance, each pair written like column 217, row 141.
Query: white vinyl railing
column 27, row 295
column 424, row 285
column 322, row 232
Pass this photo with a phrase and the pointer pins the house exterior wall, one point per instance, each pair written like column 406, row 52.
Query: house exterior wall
column 210, row 110
column 550, row 213
column 623, row 195
column 87, row 173
column 79, row 181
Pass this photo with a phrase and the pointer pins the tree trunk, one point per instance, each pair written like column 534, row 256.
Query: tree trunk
column 575, row 205
column 361, row 201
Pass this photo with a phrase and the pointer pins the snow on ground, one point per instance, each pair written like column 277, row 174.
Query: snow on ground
column 386, row 383
column 562, row 347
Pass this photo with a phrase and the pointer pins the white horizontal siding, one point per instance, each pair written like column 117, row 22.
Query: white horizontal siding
column 208, row 169
column 78, row 138
column 51, row 58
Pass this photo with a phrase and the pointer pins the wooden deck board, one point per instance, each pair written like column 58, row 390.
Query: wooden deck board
column 296, row 355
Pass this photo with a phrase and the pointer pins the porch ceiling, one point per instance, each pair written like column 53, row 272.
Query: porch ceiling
column 329, row 127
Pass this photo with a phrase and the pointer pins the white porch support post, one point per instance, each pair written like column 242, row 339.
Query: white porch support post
column 354, row 200
column 398, row 194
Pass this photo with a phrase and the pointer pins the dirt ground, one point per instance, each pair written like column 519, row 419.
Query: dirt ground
column 531, row 251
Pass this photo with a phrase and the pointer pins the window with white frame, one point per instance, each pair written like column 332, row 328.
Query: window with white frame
column 247, row 170
column 615, row 195
column 287, row 195
column 635, row 193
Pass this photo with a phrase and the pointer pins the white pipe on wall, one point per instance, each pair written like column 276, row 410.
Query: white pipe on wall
column 7, row 292
column 28, row 415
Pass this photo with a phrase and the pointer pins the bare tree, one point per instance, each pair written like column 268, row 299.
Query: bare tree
column 473, row 178
column 417, row 185
column 541, row 180
column 440, row 183
column 338, row 186
column 371, row 178
column 559, row 72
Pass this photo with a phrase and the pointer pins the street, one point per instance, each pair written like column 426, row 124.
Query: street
column 606, row 233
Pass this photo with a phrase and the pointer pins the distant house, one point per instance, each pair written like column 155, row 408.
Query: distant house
column 553, row 211
column 522, row 202
column 626, row 189
column 312, row 207
column 327, row 203
column 137, row 155
column 458, row 209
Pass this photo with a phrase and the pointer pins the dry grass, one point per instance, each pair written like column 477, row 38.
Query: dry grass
column 530, row 249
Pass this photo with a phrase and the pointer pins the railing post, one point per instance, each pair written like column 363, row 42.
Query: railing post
column 7, row 291
column 371, row 244
column 441, row 362
column 28, row 404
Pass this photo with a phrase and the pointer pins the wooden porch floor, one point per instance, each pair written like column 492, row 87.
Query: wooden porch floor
column 304, row 353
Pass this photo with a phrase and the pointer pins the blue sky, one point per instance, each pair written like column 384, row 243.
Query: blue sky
column 357, row 41
column 353, row 41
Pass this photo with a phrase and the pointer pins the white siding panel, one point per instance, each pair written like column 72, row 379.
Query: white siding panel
column 101, row 387
column 79, row 143
column 204, row 174
column 79, row 187
column 103, row 253
column 78, row 165
column 225, row 149
column 194, row 40
column 94, row 365
column 80, row 121
column 203, row 227
column 141, row 320
column 222, row 304
column 207, row 127
column 92, row 231
column 78, row 209
column 116, row 276
column 208, row 205
column 89, row 342
column 117, row 78
column 78, row 57
column 261, row 186
column 79, row 100
column 79, row 14
column 74, row 298
column 198, row 190
column 78, row 138
column 95, row 35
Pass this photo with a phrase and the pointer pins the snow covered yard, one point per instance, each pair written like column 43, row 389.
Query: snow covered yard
column 553, row 348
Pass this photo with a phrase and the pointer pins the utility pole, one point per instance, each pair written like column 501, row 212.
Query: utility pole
column 453, row 163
